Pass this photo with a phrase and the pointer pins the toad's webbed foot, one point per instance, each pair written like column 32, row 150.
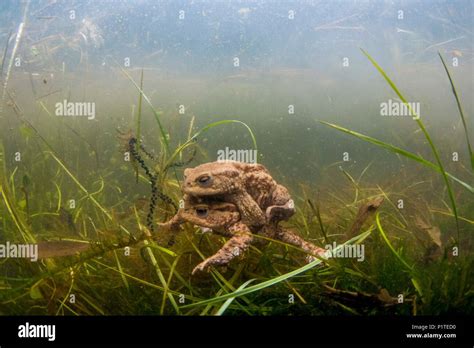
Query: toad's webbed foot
column 275, row 213
column 233, row 248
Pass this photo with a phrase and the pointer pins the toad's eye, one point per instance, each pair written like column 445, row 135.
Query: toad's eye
column 204, row 180
column 202, row 212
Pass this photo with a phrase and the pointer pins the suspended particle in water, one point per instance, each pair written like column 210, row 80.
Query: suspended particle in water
column 345, row 62
column 455, row 156
column 291, row 109
column 400, row 204
column 291, row 298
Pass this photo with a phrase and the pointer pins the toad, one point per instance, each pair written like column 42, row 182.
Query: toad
column 224, row 219
column 247, row 185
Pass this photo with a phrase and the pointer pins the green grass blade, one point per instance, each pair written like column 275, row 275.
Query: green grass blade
column 426, row 134
column 120, row 269
column 390, row 246
column 458, row 102
column 218, row 123
column 139, row 120
column 398, row 150
column 157, row 114
column 83, row 189
column 227, row 303
column 191, row 139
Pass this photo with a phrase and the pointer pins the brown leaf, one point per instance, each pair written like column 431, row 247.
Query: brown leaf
column 365, row 211
column 432, row 232
column 60, row 248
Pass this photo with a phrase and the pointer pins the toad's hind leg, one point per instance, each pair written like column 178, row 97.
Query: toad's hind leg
column 282, row 208
column 292, row 238
column 234, row 247
column 275, row 213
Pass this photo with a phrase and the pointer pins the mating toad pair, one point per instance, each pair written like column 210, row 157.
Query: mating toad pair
column 236, row 200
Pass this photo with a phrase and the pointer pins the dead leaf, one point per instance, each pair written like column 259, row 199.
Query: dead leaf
column 60, row 248
column 432, row 232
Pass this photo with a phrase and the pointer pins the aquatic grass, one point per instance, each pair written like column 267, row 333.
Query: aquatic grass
column 157, row 114
column 227, row 303
column 426, row 134
column 72, row 130
column 351, row 179
column 139, row 119
column 461, row 113
column 19, row 35
column 161, row 277
column 392, row 249
column 145, row 294
column 278, row 279
column 218, row 277
column 399, row 151
column 10, row 202
column 5, row 51
column 168, row 284
column 119, row 267
column 195, row 136
column 83, row 189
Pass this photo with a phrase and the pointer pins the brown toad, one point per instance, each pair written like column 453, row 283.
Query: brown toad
column 249, row 186
column 224, row 219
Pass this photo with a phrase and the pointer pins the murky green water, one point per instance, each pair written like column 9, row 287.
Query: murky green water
column 282, row 69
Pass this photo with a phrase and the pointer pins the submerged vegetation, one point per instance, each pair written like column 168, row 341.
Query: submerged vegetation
column 101, row 255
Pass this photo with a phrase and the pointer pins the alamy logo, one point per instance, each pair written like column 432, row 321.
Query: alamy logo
column 76, row 109
column 37, row 331
column 27, row 251
column 399, row 108
column 248, row 156
column 345, row 251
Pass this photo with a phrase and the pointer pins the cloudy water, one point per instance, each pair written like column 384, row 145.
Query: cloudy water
column 346, row 103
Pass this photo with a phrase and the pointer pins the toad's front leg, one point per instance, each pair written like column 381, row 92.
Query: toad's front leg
column 250, row 211
column 234, row 247
column 173, row 223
